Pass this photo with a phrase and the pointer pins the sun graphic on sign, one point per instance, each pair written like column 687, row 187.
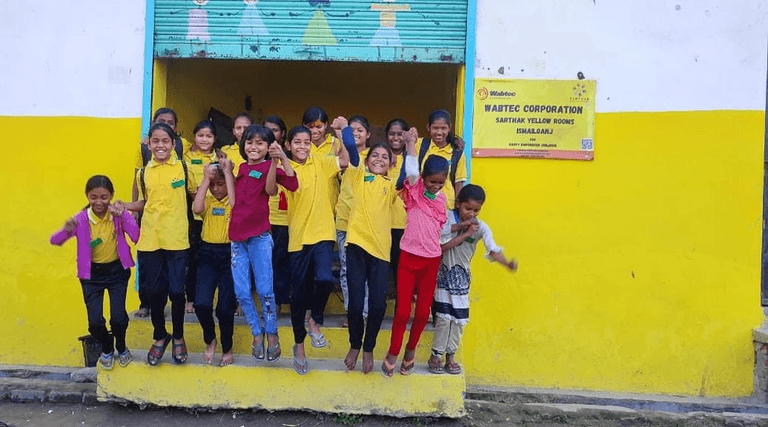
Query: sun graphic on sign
column 482, row 93
column 579, row 90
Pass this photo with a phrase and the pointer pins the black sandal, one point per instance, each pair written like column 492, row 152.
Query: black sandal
column 179, row 352
column 156, row 352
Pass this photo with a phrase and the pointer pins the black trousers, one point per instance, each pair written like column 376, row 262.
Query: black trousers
column 311, row 283
column 113, row 278
column 195, row 240
column 394, row 260
column 363, row 269
column 281, row 265
column 162, row 272
column 214, row 269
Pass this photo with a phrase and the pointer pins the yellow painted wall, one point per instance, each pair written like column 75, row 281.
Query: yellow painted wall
column 43, row 311
column 381, row 92
column 639, row 271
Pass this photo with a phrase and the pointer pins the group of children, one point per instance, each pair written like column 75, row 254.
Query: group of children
column 266, row 212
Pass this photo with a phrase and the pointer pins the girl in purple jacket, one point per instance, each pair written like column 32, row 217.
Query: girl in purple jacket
column 103, row 263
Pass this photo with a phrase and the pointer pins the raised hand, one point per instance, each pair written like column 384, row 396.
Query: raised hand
column 276, row 152
column 511, row 264
column 210, row 171
column 338, row 124
column 226, row 164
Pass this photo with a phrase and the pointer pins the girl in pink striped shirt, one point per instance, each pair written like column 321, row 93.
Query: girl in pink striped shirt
column 420, row 251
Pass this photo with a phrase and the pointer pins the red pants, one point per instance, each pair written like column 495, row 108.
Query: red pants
column 419, row 274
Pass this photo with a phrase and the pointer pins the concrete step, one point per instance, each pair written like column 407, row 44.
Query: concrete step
column 328, row 387
column 139, row 337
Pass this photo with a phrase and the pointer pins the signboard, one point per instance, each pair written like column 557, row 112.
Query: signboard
column 552, row 119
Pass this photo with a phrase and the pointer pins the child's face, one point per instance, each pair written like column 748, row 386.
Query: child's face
column 168, row 119
column 469, row 209
column 395, row 138
column 161, row 145
column 378, row 161
column 362, row 135
column 256, row 149
column 204, row 140
column 438, row 132
column 299, row 147
column 218, row 188
column 99, row 199
column 434, row 183
column 275, row 131
column 317, row 128
column 240, row 124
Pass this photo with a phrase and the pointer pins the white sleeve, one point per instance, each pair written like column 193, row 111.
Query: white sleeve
column 411, row 169
column 446, row 235
column 487, row 236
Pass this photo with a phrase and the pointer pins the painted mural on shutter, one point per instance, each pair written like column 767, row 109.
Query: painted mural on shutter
column 341, row 30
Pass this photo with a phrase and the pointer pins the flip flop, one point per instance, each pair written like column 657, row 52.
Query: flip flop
column 273, row 352
column 301, row 367
column 179, row 352
column 435, row 366
column 317, row 340
column 407, row 367
column 387, row 369
column 452, row 367
column 156, row 352
column 257, row 350
column 123, row 359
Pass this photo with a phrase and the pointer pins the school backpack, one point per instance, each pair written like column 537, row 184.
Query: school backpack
column 423, row 149
column 146, row 155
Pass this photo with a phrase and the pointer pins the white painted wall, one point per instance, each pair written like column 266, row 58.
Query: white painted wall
column 71, row 58
column 654, row 55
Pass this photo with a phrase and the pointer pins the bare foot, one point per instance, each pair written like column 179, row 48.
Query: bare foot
column 367, row 362
column 308, row 316
column 345, row 323
column 351, row 360
column 227, row 359
column 210, row 350
column 189, row 308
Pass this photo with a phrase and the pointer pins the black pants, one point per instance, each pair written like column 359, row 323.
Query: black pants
column 214, row 269
column 311, row 283
column 365, row 269
column 195, row 240
column 113, row 278
column 394, row 260
column 162, row 273
column 281, row 265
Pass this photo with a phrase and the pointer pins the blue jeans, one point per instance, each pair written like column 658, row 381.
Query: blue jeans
column 256, row 254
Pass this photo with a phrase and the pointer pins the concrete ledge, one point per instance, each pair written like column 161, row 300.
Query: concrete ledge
column 139, row 337
column 328, row 387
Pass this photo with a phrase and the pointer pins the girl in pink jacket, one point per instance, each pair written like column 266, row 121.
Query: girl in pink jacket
column 103, row 263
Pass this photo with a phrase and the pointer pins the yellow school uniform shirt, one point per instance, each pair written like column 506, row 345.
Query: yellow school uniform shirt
column 370, row 219
column 326, row 149
column 233, row 153
column 196, row 161
column 461, row 170
column 103, row 242
column 310, row 212
column 216, row 218
column 185, row 147
column 276, row 215
column 344, row 202
column 164, row 224
column 399, row 217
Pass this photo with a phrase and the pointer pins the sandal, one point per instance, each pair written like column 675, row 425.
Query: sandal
column 156, row 351
column 107, row 361
column 301, row 367
column 179, row 351
column 257, row 349
column 435, row 365
column 124, row 358
column 317, row 340
column 141, row 312
column 274, row 352
column 452, row 367
column 407, row 367
column 387, row 369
